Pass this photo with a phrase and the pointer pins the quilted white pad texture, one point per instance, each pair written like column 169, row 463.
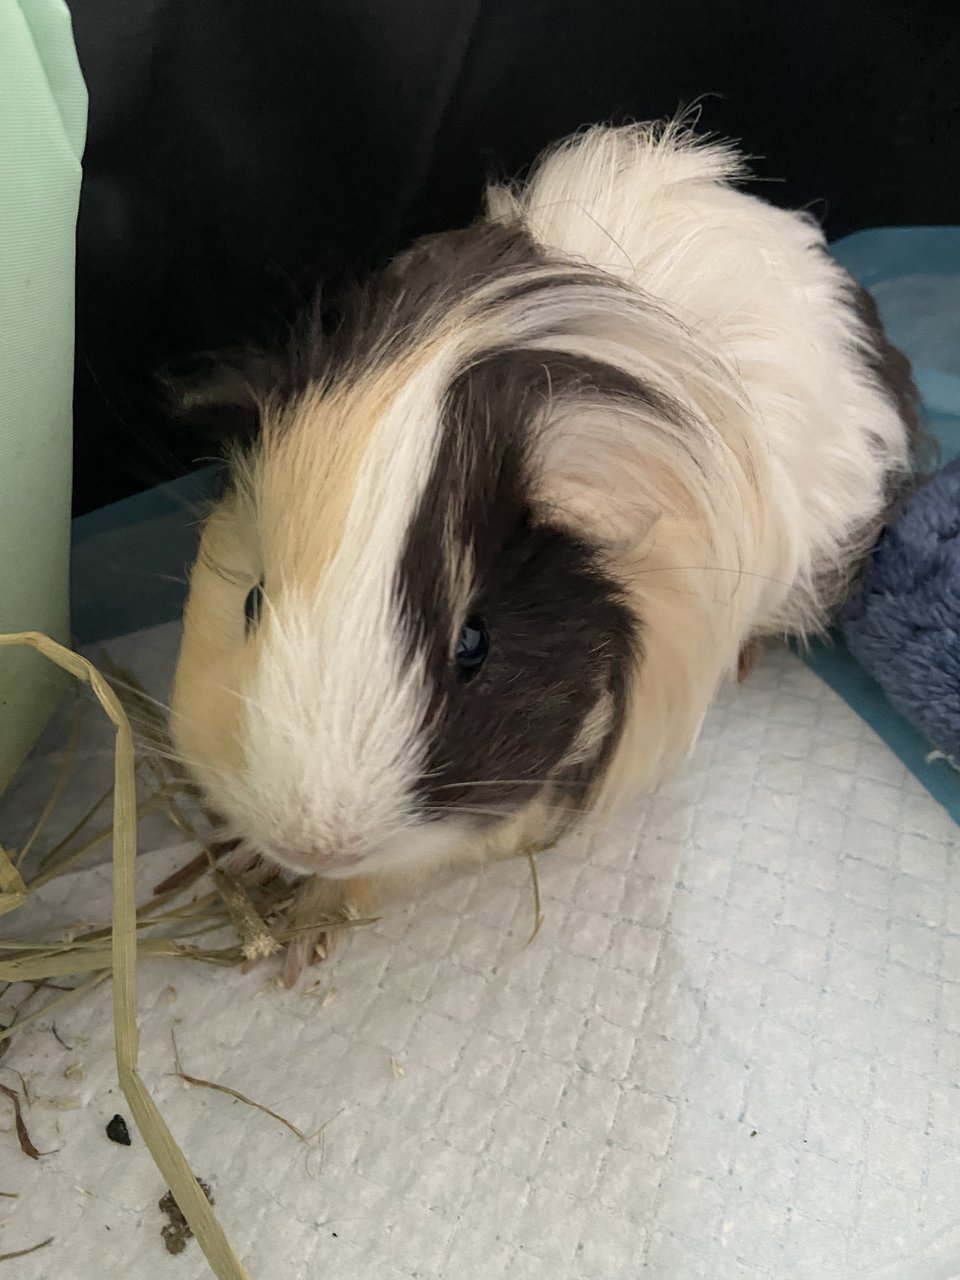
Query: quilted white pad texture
column 732, row 1051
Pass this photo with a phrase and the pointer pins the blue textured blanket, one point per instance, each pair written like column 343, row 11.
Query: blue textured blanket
column 903, row 625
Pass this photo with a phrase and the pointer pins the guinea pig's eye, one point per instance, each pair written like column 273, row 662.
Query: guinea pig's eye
column 253, row 607
column 473, row 645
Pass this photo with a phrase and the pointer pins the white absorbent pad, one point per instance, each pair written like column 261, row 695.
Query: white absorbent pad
column 732, row 1051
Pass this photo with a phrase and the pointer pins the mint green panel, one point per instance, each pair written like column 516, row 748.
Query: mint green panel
column 43, row 116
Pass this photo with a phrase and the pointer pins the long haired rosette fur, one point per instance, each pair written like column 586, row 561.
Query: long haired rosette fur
column 502, row 536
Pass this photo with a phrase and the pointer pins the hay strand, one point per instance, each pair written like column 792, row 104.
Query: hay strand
column 51, row 854
column 13, row 892
column 59, row 783
column 22, row 1253
column 231, row 1093
column 68, row 961
column 256, row 940
column 23, row 1137
column 535, row 882
column 19, row 1023
column 159, row 1141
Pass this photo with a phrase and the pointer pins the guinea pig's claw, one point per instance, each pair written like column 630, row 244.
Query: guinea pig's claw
column 748, row 659
column 309, row 949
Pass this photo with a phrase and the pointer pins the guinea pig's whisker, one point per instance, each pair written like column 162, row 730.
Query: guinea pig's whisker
column 155, row 752
column 441, row 811
column 479, row 810
column 141, row 574
column 160, row 752
column 198, row 503
column 119, row 683
column 510, row 782
column 145, row 729
column 714, row 568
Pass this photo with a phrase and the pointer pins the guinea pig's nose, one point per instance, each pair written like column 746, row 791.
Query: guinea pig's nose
column 321, row 859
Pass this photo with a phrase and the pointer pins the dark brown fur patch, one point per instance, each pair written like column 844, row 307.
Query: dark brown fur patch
column 375, row 323
column 893, row 372
column 370, row 324
column 891, row 369
column 887, row 363
column 561, row 635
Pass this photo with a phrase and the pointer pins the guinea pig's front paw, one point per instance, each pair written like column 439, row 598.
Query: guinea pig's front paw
column 306, row 949
column 320, row 918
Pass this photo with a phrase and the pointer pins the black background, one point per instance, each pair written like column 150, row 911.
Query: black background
column 241, row 151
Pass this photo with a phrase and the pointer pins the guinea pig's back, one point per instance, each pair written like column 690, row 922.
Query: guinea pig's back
column 658, row 207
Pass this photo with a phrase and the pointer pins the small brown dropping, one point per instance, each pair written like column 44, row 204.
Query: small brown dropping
column 176, row 1230
column 117, row 1131
column 175, row 1238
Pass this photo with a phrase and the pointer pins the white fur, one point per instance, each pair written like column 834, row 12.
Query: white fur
column 335, row 712
column 742, row 281
column 746, row 522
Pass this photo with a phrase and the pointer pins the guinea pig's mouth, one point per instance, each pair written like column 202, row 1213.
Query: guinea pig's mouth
column 332, row 866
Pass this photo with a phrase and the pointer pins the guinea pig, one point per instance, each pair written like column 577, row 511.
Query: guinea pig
column 502, row 535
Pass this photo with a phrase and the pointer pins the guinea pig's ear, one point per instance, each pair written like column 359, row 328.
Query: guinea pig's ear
column 219, row 403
